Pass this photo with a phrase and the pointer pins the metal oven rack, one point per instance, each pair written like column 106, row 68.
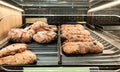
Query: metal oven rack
column 50, row 55
column 109, row 57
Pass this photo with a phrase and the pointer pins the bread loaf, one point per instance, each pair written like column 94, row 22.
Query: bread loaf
column 78, row 40
column 20, row 35
column 82, row 47
column 44, row 36
column 13, row 49
column 23, row 58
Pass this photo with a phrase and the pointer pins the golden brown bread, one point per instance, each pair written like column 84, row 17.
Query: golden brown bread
column 64, row 29
column 82, row 47
column 47, row 28
column 42, row 26
column 26, row 57
column 75, row 32
column 14, row 34
column 44, row 36
column 13, row 49
column 74, row 38
column 78, row 40
column 38, row 26
column 89, row 39
column 29, row 30
column 20, row 35
column 26, row 34
column 71, row 26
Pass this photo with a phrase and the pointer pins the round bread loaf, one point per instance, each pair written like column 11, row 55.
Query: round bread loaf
column 44, row 36
column 20, row 35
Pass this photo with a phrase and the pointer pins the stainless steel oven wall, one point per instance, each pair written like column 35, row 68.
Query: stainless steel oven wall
column 104, row 17
column 60, row 19
column 57, row 15
column 56, row 11
column 115, row 10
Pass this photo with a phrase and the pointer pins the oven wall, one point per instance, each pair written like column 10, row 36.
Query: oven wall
column 9, row 18
column 55, row 15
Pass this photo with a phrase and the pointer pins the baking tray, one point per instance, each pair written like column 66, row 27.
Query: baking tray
column 115, row 33
column 47, row 54
column 109, row 57
column 51, row 55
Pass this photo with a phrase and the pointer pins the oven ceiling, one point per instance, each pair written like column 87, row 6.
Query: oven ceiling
column 53, row 3
column 96, row 3
column 79, row 6
column 61, row 3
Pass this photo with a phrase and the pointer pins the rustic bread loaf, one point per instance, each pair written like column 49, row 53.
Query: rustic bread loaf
column 44, row 36
column 23, row 58
column 82, row 47
column 13, row 49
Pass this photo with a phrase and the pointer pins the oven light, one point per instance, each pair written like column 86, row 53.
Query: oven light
column 11, row 6
column 91, row 0
column 111, row 4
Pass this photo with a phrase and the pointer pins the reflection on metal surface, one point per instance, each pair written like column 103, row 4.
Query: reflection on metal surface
column 115, row 35
column 110, row 38
column 11, row 6
column 115, row 29
column 115, row 32
column 110, row 55
column 110, row 4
